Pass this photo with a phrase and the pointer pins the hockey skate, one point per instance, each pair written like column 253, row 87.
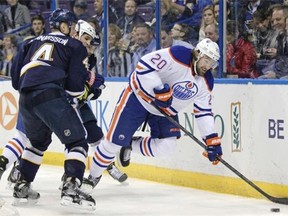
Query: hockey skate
column 24, row 194
column 124, row 156
column 116, row 174
column 14, row 176
column 3, row 162
column 88, row 184
column 63, row 179
column 73, row 196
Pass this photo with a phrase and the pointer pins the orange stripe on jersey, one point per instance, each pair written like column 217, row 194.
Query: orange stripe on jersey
column 101, row 160
column 20, row 150
column 145, row 148
column 138, row 91
column 117, row 112
column 139, row 67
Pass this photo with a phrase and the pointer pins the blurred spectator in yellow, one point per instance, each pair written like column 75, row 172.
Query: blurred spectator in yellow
column 8, row 52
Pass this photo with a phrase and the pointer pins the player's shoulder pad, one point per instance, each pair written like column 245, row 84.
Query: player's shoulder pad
column 181, row 54
column 208, row 76
column 75, row 43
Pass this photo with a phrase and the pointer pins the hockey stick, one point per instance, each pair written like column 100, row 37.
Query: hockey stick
column 283, row 200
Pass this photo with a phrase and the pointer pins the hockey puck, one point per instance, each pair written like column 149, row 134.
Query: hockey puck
column 275, row 209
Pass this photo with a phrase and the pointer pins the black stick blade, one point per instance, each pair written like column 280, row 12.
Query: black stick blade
column 283, row 200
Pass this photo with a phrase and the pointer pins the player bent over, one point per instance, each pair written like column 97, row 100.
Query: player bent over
column 48, row 71
column 181, row 76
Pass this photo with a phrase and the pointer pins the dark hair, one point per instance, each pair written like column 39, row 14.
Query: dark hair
column 38, row 17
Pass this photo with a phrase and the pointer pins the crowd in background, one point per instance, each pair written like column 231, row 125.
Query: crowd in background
column 256, row 40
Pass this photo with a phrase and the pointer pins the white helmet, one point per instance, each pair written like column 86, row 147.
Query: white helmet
column 84, row 27
column 208, row 48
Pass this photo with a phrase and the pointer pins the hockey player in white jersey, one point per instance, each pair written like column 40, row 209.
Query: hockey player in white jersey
column 173, row 78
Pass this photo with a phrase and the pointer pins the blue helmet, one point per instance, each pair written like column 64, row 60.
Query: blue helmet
column 61, row 15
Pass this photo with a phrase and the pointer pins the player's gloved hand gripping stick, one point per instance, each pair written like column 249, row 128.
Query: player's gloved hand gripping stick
column 280, row 200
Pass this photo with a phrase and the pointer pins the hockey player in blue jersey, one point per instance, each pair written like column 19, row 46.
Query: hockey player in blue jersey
column 174, row 78
column 50, row 73
column 15, row 147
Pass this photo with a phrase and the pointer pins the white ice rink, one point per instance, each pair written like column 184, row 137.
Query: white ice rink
column 137, row 198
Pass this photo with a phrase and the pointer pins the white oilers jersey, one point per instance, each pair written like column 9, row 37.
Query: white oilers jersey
column 174, row 66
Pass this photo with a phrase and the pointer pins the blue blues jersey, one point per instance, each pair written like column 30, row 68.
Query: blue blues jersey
column 51, row 58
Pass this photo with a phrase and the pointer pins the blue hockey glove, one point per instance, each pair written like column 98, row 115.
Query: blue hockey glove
column 99, row 82
column 96, row 81
column 213, row 149
column 163, row 97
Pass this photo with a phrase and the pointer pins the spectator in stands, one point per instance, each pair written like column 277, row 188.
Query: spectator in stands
column 278, row 69
column 168, row 15
column 130, row 17
column 241, row 55
column 145, row 40
column 168, row 41
column 184, row 32
column 119, row 61
column 216, row 8
column 4, row 24
column 8, row 52
column 129, row 43
column 18, row 16
column 38, row 25
column 80, row 9
column 261, row 27
column 99, row 16
column 212, row 31
column 191, row 12
column 245, row 15
column 207, row 18
column 275, row 39
column 118, row 5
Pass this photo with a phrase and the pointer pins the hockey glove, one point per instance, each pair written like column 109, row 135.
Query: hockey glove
column 96, row 81
column 213, row 149
column 163, row 97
